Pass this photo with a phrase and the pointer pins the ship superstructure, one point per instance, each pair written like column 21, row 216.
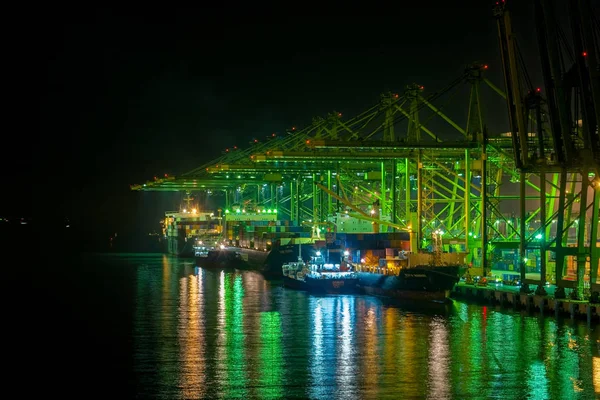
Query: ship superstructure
column 186, row 229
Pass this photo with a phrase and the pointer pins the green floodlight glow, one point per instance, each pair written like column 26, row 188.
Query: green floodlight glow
column 226, row 211
column 269, row 211
column 538, row 236
column 238, row 211
column 275, row 211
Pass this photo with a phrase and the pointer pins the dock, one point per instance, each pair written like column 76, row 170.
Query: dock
column 511, row 297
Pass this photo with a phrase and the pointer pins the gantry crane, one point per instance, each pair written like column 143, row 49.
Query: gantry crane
column 456, row 179
column 566, row 149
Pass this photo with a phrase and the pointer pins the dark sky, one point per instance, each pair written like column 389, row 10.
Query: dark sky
column 106, row 98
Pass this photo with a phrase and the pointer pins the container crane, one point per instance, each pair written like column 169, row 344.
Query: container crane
column 568, row 92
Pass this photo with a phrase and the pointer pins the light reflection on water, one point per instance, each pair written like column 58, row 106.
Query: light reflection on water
column 318, row 364
column 191, row 337
column 439, row 358
column 231, row 334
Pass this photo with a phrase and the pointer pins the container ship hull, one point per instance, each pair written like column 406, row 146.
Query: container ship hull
column 416, row 283
column 294, row 283
column 179, row 246
column 225, row 258
column 322, row 286
column 216, row 259
column 268, row 262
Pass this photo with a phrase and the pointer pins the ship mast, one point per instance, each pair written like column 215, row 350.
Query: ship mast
column 437, row 246
column 188, row 199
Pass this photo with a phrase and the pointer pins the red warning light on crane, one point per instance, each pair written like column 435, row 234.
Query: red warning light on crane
column 485, row 66
column 422, row 87
column 293, row 128
column 538, row 90
column 584, row 53
column 339, row 114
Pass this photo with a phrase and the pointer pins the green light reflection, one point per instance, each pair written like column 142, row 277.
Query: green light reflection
column 231, row 340
column 537, row 382
column 271, row 357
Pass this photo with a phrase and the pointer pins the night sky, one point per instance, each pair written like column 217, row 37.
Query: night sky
column 109, row 98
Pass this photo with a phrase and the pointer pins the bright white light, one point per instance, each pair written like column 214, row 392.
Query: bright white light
column 222, row 246
column 318, row 253
column 346, row 253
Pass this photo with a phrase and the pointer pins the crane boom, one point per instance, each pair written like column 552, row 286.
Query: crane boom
column 360, row 213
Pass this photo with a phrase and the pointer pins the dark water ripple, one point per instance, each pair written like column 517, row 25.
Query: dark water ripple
column 231, row 334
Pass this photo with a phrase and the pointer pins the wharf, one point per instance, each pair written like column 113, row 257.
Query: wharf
column 511, row 297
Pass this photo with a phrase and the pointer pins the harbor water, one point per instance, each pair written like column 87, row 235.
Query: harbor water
column 154, row 326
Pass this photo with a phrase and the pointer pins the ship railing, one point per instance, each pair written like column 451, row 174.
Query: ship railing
column 332, row 275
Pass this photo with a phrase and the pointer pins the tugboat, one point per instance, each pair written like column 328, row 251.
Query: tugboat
column 319, row 277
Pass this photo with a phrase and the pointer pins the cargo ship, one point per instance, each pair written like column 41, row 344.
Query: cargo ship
column 388, row 269
column 188, row 230
column 256, row 239
column 420, row 282
column 317, row 276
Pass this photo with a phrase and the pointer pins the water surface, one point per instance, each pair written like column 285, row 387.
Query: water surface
column 192, row 333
